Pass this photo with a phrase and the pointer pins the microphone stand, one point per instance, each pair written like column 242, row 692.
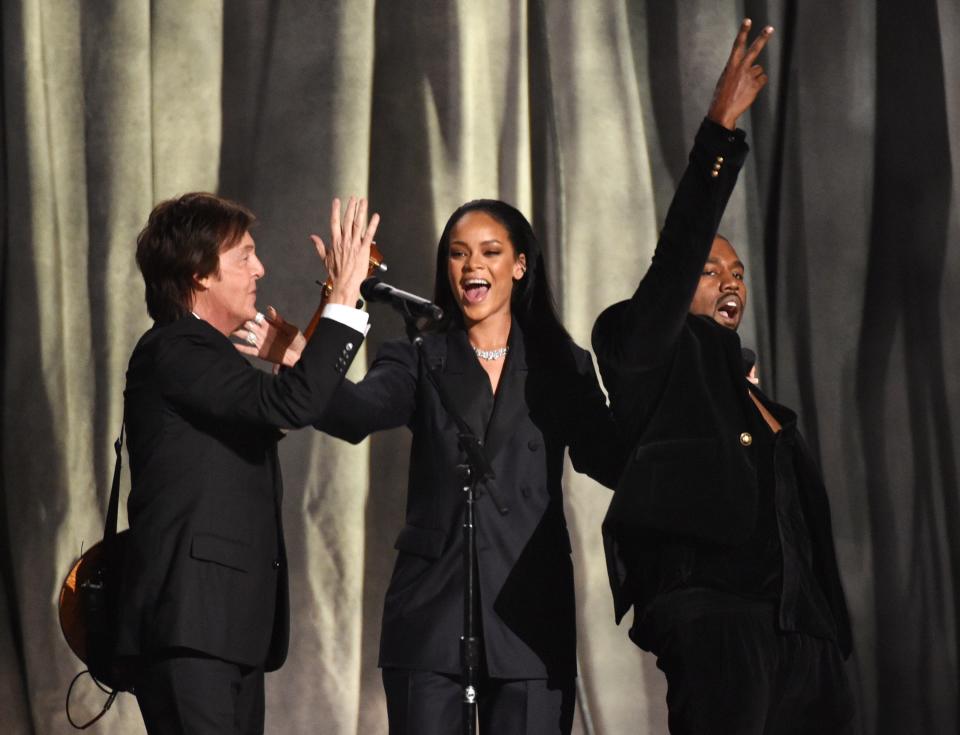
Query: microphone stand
column 476, row 469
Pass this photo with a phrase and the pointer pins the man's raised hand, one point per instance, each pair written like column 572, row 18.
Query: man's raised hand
column 741, row 79
column 348, row 257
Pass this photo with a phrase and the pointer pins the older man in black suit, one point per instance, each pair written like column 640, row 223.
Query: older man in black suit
column 204, row 605
column 719, row 531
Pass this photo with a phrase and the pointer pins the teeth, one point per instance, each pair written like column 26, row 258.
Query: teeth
column 476, row 282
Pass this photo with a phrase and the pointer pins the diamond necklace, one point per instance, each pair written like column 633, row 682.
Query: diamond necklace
column 491, row 354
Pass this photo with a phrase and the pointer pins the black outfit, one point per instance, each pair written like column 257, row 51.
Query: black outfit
column 429, row 703
column 541, row 407
column 204, row 589
column 719, row 531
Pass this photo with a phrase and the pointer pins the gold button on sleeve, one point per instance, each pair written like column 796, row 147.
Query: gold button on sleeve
column 746, row 439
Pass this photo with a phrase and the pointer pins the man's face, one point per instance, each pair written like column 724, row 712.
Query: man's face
column 722, row 292
column 229, row 296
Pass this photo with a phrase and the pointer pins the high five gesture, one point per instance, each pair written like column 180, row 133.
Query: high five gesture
column 348, row 257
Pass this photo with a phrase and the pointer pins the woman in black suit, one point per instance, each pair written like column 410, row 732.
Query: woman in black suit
column 528, row 392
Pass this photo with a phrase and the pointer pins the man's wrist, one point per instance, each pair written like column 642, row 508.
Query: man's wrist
column 729, row 122
column 348, row 315
column 344, row 297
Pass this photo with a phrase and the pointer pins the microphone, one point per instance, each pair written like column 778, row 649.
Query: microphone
column 374, row 290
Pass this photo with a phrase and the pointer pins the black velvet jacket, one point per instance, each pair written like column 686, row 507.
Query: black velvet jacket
column 678, row 392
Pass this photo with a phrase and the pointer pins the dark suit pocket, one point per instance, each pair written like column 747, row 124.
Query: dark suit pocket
column 666, row 477
column 675, row 449
column 223, row 551
column 679, row 464
column 425, row 542
column 686, row 487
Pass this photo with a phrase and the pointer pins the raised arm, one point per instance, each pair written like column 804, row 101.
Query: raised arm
column 639, row 334
column 384, row 399
column 206, row 376
column 347, row 260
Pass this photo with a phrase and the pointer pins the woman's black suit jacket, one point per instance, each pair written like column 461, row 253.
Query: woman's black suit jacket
column 525, row 570
column 205, row 566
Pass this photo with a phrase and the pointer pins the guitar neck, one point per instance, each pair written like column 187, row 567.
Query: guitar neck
column 312, row 326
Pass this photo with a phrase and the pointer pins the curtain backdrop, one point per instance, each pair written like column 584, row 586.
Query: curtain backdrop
column 579, row 113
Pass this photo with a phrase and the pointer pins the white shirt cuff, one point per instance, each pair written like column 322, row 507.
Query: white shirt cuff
column 353, row 318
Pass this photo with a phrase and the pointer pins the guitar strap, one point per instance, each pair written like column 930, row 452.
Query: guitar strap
column 110, row 525
column 98, row 596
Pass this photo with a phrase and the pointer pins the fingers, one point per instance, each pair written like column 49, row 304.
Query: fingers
column 361, row 215
column 346, row 229
column 254, row 335
column 273, row 316
column 741, row 80
column 248, row 338
column 757, row 46
column 740, row 53
column 335, row 220
column 371, row 230
column 350, row 224
column 318, row 244
column 279, row 324
column 348, row 257
column 740, row 42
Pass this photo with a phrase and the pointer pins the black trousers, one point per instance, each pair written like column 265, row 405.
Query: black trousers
column 186, row 693
column 733, row 672
column 428, row 703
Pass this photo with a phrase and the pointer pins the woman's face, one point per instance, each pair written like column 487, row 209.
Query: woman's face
column 482, row 266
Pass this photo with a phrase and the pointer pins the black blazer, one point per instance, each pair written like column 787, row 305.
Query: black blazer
column 678, row 390
column 525, row 571
column 205, row 567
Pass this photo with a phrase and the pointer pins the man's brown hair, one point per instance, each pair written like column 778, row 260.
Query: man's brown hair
column 182, row 241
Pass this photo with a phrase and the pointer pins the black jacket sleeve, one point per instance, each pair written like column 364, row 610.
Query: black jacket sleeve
column 639, row 333
column 595, row 444
column 384, row 399
column 199, row 369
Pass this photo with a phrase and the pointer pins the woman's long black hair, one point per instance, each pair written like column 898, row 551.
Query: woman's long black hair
column 531, row 304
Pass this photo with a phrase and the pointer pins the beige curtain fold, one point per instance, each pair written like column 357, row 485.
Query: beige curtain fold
column 296, row 111
column 93, row 153
column 605, row 241
column 581, row 114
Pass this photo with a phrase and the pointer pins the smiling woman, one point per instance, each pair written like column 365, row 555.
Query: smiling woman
column 504, row 359
column 482, row 267
column 522, row 385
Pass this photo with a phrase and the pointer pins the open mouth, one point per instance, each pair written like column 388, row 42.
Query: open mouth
column 728, row 310
column 475, row 289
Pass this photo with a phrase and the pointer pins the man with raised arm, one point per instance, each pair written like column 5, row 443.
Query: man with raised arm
column 204, row 607
column 719, row 531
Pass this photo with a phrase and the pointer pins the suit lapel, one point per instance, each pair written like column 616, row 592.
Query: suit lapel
column 510, row 405
column 466, row 382
column 469, row 388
